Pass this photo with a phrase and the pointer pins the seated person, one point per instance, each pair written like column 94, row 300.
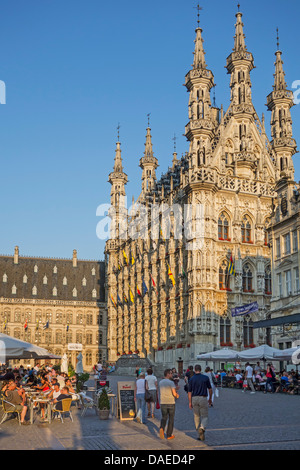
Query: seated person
column 62, row 396
column 68, row 384
column 17, row 398
column 9, row 375
column 55, row 392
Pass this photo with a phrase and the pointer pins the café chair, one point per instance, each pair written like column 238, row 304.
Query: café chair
column 66, row 408
column 9, row 411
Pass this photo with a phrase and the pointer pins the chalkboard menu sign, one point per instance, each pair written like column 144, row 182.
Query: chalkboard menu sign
column 126, row 403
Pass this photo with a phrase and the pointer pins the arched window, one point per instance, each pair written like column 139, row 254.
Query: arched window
column 225, row 331
column 79, row 337
column 246, row 230
column 223, row 227
column 247, row 279
column 268, row 281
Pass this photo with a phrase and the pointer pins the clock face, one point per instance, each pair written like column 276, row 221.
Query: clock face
column 284, row 206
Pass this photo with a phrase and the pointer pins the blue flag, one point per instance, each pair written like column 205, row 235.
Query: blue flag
column 145, row 288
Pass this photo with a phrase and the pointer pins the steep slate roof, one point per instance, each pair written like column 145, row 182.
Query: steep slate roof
column 45, row 267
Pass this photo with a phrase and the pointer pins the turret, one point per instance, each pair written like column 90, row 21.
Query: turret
column 279, row 102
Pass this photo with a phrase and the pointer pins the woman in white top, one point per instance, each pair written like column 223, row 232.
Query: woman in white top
column 139, row 398
column 152, row 387
column 212, row 379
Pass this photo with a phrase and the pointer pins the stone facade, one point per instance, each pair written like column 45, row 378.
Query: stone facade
column 170, row 298
column 66, row 295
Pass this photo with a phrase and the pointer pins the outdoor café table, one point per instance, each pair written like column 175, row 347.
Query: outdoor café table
column 39, row 399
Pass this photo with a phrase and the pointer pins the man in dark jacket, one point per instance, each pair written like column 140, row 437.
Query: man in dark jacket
column 199, row 389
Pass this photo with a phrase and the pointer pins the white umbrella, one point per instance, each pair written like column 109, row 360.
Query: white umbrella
column 221, row 355
column 64, row 364
column 13, row 348
column 263, row 353
column 285, row 354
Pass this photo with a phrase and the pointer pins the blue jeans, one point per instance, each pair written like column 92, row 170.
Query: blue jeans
column 141, row 407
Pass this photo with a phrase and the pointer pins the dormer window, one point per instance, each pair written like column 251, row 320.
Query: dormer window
column 55, row 270
column 34, row 290
column 54, row 291
column 35, row 269
column 65, row 281
column 45, row 280
column 94, row 293
column 25, row 279
column 84, row 281
column 14, row 289
column 74, row 292
column 93, row 272
column 4, row 277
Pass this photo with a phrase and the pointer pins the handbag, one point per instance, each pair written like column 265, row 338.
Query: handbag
column 147, row 394
column 157, row 403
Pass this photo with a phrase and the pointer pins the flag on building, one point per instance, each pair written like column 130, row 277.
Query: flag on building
column 171, row 277
column 45, row 327
column 125, row 298
column 145, row 288
column 113, row 301
column 26, row 325
column 119, row 300
column 125, row 257
column 67, row 327
column 183, row 274
column 131, row 295
column 132, row 260
column 231, row 269
column 138, row 291
column 161, row 233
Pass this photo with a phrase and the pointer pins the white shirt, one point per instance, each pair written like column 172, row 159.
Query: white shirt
column 249, row 370
column 151, row 379
column 238, row 377
column 140, row 386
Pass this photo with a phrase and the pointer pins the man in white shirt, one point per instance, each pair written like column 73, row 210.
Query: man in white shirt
column 249, row 377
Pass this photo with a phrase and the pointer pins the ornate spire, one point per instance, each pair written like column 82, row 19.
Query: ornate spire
column 118, row 167
column 118, row 178
column 148, row 163
column 239, row 38
column 279, row 82
column 239, row 65
column 202, row 120
column 279, row 102
column 199, row 54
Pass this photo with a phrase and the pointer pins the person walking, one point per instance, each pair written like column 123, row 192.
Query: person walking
column 152, row 387
column 270, row 379
column 213, row 381
column 249, row 378
column 168, row 396
column 199, row 387
column 139, row 398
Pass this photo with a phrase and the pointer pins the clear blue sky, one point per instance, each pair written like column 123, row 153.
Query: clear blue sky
column 74, row 69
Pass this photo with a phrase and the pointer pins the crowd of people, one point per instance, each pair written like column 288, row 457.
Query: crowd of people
column 266, row 379
column 201, row 389
column 47, row 380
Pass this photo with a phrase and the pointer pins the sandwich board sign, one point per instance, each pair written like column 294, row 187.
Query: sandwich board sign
column 126, row 403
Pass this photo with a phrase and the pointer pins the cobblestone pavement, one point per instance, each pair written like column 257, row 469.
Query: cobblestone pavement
column 238, row 421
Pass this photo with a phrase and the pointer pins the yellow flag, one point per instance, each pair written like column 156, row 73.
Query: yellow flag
column 171, row 276
column 131, row 295
column 125, row 256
